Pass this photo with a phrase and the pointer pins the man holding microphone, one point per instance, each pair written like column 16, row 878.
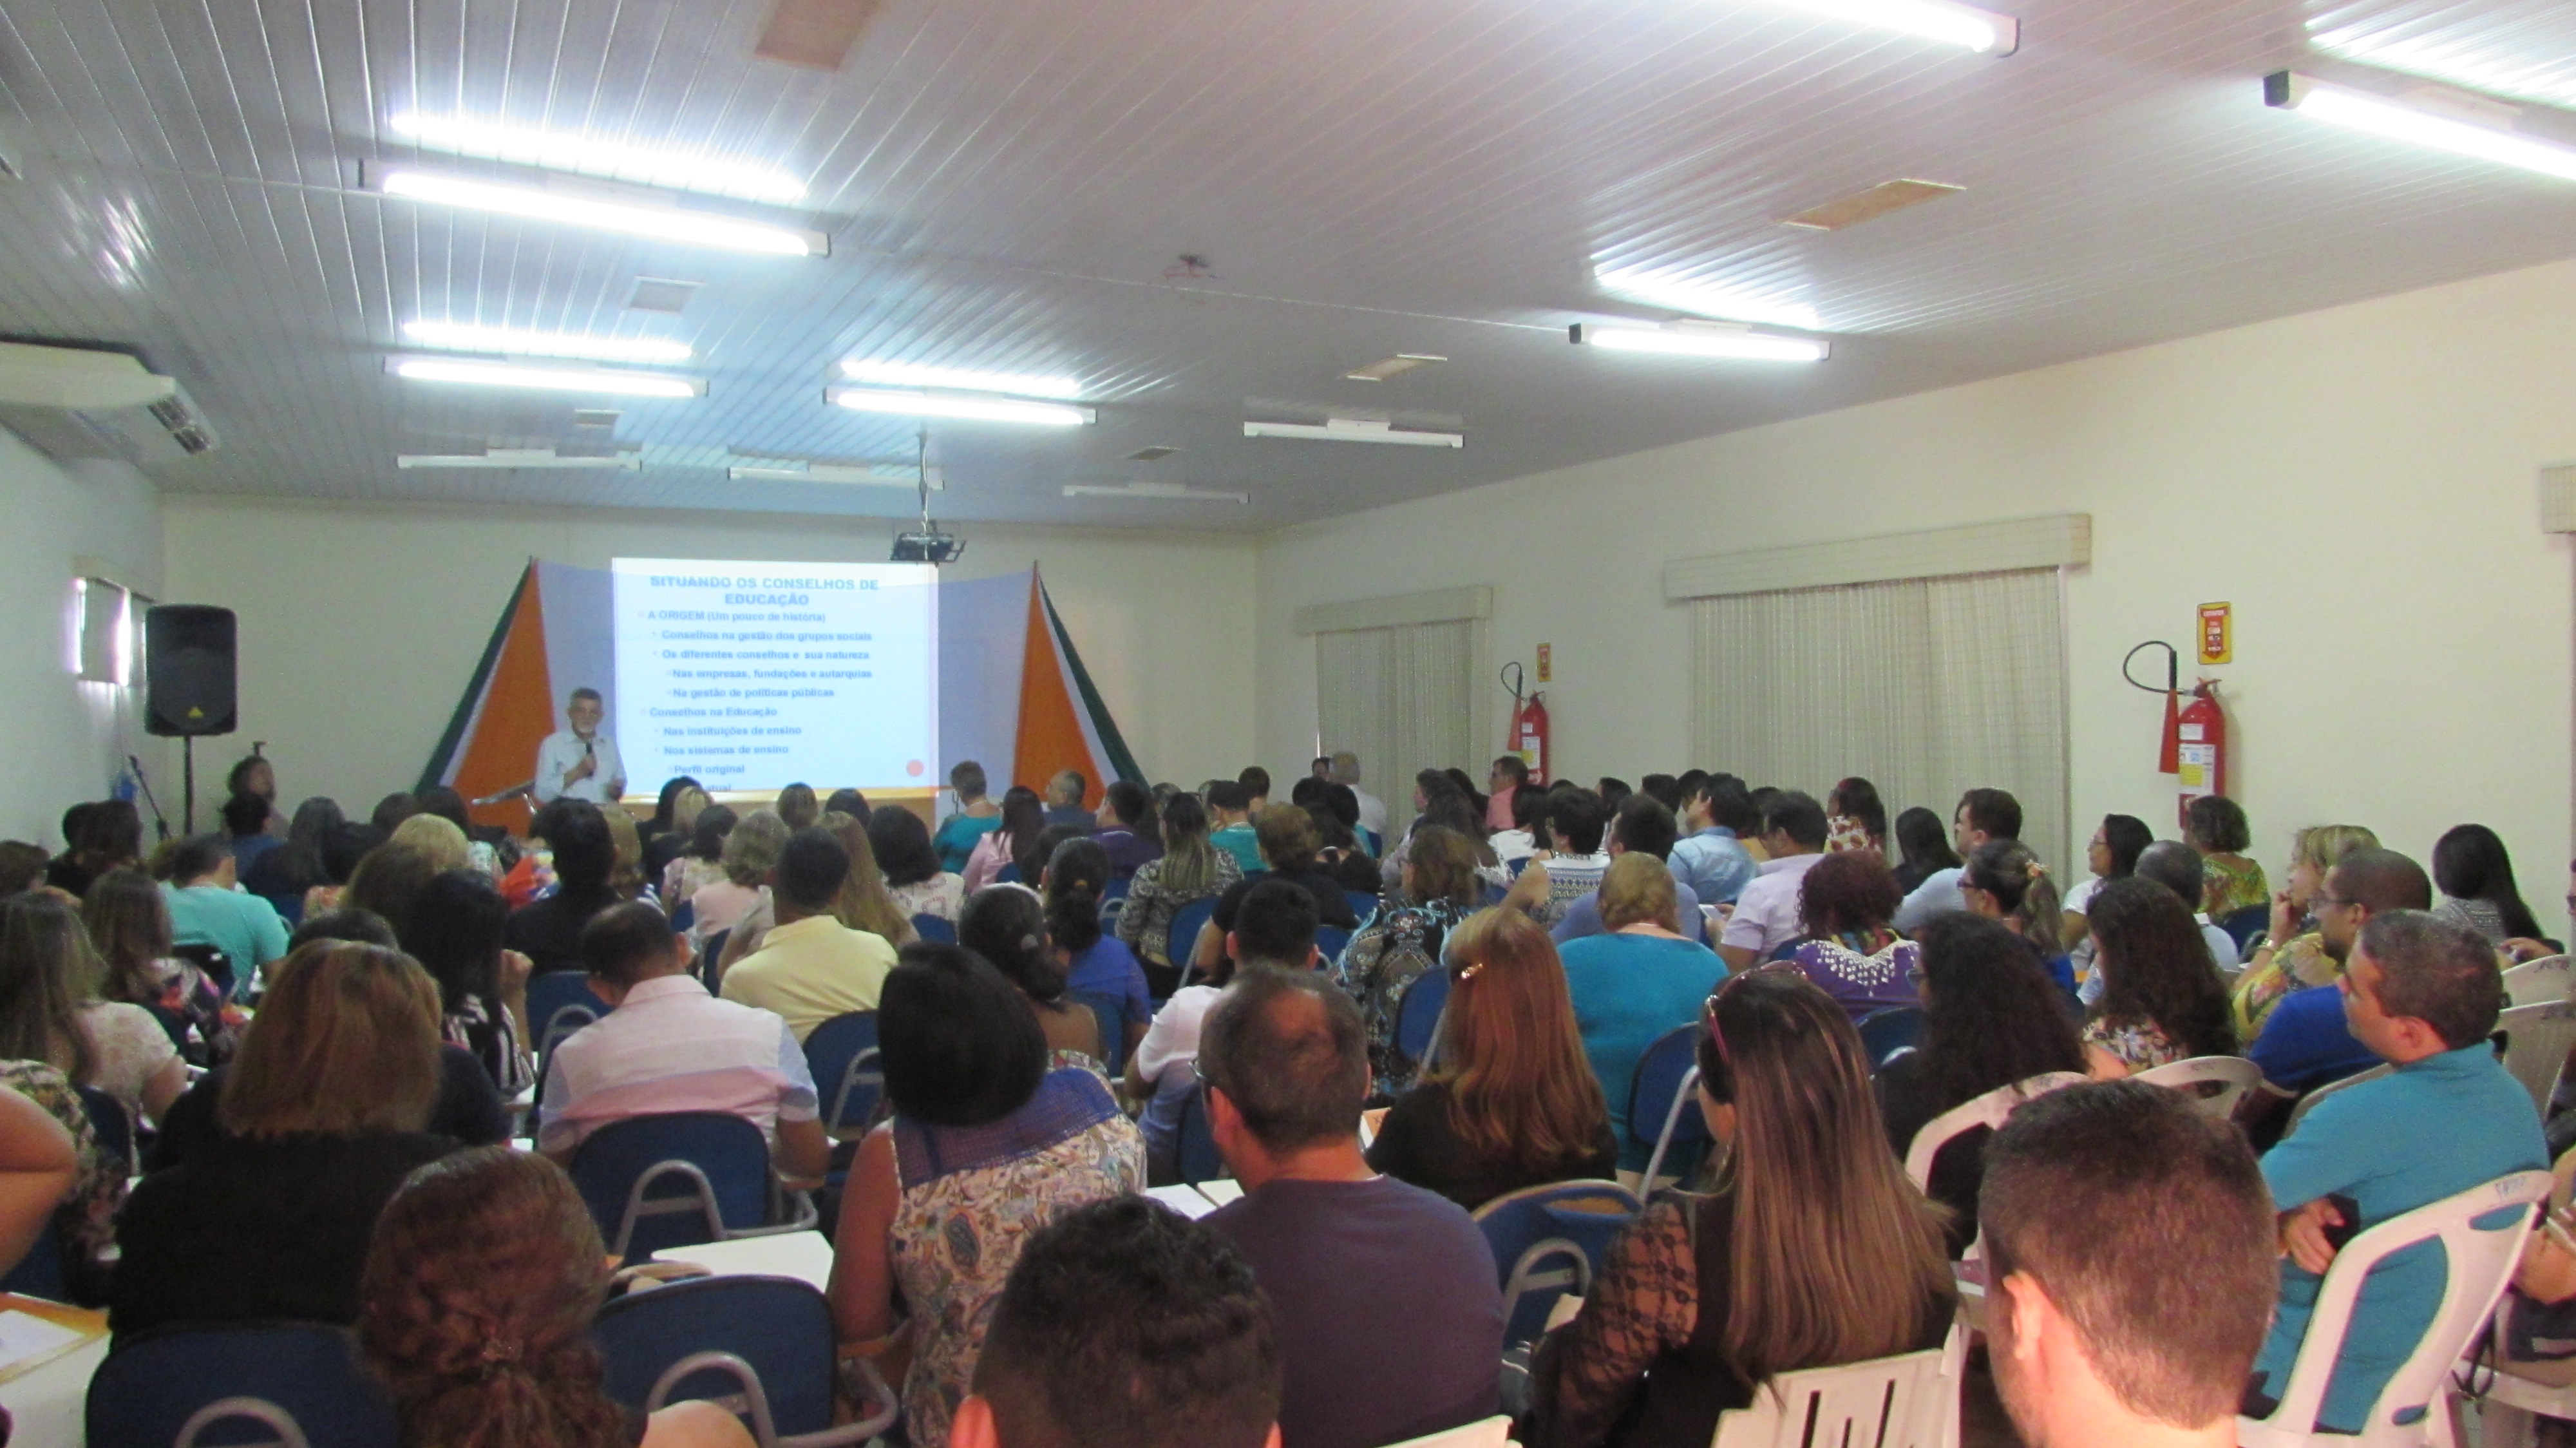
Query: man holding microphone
column 580, row 762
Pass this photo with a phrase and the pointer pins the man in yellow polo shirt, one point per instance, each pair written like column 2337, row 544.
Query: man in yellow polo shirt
column 810, row 967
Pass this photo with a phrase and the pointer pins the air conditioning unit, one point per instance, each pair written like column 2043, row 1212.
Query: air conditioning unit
column 97, row 400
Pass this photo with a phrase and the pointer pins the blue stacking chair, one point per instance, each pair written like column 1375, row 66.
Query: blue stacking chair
column 1363, row 904
column 1889, row 1030
column 1661, row 1113
column 685, row 916
column 1111, row 1012
column 761, row 1346
column 1118, row 889
column 1194, row 1142
column 1185, row 931
column 1417, row 1014
column 710, row 952
column 676, row 1180
column 1332, row 941
column 849, row 1075
column 158, row 1383
column 41, row 1272
column 107, row 1119
column 2243, row 925
column 1548, row 1241
column 937, row 929
column 1008, row 875
column 555, row 992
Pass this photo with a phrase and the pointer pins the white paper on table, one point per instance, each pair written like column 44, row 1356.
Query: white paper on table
column 1184, row 1200
column 24, row 1335
column 1221, row 1190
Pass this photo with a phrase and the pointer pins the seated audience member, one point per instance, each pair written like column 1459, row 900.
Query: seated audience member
column 1024, row 818
column 810, row 967
column 98, row 837
column 2216, row 830
column 1984, row 816
column 976, row 817
column 1507, row 778
column 1096, row 964
column 548, row 932
column 668, row 1047
column 864, row 903
column 1855, row 819
column 1710, row 857
column 1064, row 795
column 1288, row 844
column 1126, row 830
column 2291, row 955
column 394, row 874
column 1846, row 946
column 1402, row 941
column 1275, row 929
column 1634, row 984
column 797, row 807
column 392, row 810
column 1126, row 1325
column 2424, row 995
column 848, row 801
column 437, row 837
column 1447, row 807
column 1612, row 789
column 1813, row 1251
column 246, row 835
column 1663, row 789
column 22, row 866
column 2161, row 1000
column 1923, row 847
column 674, row 812
column 1007, row 927
column 750, row 854
column 2476, row 878
column 1230, row 825
column 1256, row 789
column 455, row 932
column 1642, row 825
column 1519, row 839
column 84, row 1220
column 1766, row 914
column 626, row 878
column 701, row 861
column 39, row 1163
column 129, row 924
column 1574, row 864
column 50, row 1012
column 2307, row 1038
column 2113, row 855
column 1341, row 855
column 323, row 1114
column 2004, row 881
column 1346, row 772
column 912, row 873
column 2176, row 866
column 481, row 841
column 475, row 1310
column 1511, row 1102
column 281, row 876
column 197, row 884
column 1991, row 1017
column 2098, row 1200
column 1192, row 869
column 1390, row 1319
column 986, row 1145
column 343, row 851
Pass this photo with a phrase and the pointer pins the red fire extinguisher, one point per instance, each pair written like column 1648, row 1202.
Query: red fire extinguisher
column 2194, row 746
column 1528, row 735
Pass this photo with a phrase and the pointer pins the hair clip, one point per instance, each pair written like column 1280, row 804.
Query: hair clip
column 1468, row 971
column 501, row 1350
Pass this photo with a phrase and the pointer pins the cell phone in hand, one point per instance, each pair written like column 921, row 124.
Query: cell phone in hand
column 2348, row 1209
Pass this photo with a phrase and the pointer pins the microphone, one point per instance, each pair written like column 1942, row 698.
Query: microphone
column 160, row 822
column 588, row 748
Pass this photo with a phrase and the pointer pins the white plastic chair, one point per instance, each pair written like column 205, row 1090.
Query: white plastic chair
column 1989, row 1110
column 1910, row 1400
column 2309, row 1102
column 2509, row 1402
column 2234, row 1074
column 2477, row 1262
column 2537, row 982
column 2536, row 1041
column 1493, row 1432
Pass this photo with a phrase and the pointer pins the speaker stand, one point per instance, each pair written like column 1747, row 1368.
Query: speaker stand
column 188, row 782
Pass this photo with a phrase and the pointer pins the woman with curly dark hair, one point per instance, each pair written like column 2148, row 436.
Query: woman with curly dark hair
column 2161, row 999
column 480, row 1287
column 1850, row 951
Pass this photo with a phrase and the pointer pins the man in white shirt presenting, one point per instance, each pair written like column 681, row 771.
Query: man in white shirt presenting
column 1766, row 915
column 580, row 762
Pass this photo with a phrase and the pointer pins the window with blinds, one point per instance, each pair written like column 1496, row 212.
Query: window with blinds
column 1399, row 697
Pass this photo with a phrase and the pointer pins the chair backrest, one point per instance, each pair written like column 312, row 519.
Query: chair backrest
column 1332, row 940
column 107, row 1118
column 41, row 1272
column 1491, row 1433
column 1417, row 1014
column 685, row 916
column 2536, row 1041
column 2534, row 982
column 2481, row 1231
column 711, row 957
column 936, row 928
column 1007, row 875
column 1549, row 1241
column 1989, row 1110
column 157, row 1383
column 781, row 1327
column 1185, row 929
column 1890, row 1029
column 1111, row 1012
column 1117, row 889
column 2212, row 1082
column 1683, row 1127
column 1194, row 1153
column 550, row 993
column 675, row 1180
column 841, row 1053
column 2243, row 925
column 1891, row 1402
column 2309, row 1102
column 283, row 1430
column 1363, row 904
column 1658, row 1083
column 209, row 958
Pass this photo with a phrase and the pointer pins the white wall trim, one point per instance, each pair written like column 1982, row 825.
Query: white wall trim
column 1439, row 605
column 2051, row 541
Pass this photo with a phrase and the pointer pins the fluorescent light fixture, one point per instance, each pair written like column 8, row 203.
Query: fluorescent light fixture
column 557, row 151
column 514, row 458
column 545, row 379
column 1395, row 366
column 1707, row 298
column 1181, row 492
column 1701, row 339
column 969, row 409
column 626, row 210
column 511, row 342
column 914, row 374
column 1354, row 429
column 2460, row 126
column 1962, row 25
column 832, row 473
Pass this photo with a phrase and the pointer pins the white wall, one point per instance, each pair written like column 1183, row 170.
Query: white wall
column 67, row 739
column 2359, row 482
column 361, row 625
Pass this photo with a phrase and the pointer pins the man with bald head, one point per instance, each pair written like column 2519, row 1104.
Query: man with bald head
column 1390, row 1323
column 2305, row 1043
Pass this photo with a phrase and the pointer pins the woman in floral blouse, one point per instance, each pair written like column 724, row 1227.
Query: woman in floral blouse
column 2161, row 1000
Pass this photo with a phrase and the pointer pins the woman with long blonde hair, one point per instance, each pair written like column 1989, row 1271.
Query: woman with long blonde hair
column 1813, row 1251
column 1511, row 1102
column 863, row 904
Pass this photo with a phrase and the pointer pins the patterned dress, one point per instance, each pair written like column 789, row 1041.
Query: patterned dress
column 2230, row 883
column 970, row 1198
column 2138, row 1045
column 2301, row 963
column 1863, row 971
column 86, row 1220
column 1399, row 943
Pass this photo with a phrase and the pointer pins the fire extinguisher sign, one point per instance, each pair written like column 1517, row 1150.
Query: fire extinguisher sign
column 2217, row 633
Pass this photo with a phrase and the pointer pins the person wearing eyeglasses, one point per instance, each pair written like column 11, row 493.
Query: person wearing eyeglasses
column 1814, row 1249
column 2305, row 1042
column 2289, row 955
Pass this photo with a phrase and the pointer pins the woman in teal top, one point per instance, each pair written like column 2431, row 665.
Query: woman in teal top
column 1634, row 983
column 976, row 817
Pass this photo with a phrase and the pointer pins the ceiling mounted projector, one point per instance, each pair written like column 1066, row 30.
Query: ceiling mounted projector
column 929, row 546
